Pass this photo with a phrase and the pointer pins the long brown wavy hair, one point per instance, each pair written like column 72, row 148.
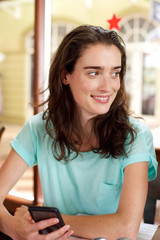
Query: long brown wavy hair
column 62, row 124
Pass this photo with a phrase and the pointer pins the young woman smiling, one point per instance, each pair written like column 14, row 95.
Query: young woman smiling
column 94, row 158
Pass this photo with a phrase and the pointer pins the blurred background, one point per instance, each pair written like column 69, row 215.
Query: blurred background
column 137, row 22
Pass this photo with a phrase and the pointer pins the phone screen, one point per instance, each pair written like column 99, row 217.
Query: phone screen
column 42, row 213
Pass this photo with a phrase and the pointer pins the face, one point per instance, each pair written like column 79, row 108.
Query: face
column 95, row 80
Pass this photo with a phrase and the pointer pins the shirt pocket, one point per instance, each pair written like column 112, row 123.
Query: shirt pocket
column 108, row 197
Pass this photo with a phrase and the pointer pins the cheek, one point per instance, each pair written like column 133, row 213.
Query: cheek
column 88, row 86
column 117, row 85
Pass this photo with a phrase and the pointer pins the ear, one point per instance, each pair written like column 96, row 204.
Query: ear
column 65, row 77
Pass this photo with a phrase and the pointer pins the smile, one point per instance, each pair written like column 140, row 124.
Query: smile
column 101, row 99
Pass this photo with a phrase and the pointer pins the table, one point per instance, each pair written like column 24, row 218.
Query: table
column 146, row 232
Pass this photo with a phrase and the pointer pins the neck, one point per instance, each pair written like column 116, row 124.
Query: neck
column 88, row 137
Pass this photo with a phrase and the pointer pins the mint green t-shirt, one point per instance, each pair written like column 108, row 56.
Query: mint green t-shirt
column 89, row 184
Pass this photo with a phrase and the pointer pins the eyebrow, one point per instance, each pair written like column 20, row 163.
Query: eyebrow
column 98, row 67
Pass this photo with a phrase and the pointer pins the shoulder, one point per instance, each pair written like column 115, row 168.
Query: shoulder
column 35, row 125
column 140, row 127
column 37, row 121
column 143, row 140
column 142, row 148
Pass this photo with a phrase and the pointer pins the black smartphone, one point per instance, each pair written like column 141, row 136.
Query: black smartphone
column 42, row 213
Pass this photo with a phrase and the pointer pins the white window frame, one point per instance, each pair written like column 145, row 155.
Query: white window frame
column 140, row 44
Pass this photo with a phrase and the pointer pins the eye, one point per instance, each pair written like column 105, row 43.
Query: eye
column 93, row 73
column 115, row 74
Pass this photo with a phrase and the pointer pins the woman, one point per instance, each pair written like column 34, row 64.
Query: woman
column 94, row 159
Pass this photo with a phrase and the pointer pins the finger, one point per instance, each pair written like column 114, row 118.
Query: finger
column 46, row 223
column 53, row 235
column 24, row 207
column 22, row 211
column 17, row 210
column 68, row 233
column 30, row 218
column 61, row 232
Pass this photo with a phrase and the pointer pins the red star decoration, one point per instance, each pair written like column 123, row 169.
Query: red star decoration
column 114, row 22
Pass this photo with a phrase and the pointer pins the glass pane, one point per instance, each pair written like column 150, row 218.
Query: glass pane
column 122, row 30
column 58, row 33
column 131, row 23
column 149, row 86
column 141, row 38
column 150, row 27
column 128, row 80
column 62, row 30
column 131, row 38
column 141, row 22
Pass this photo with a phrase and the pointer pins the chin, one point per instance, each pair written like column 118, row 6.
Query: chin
column 103, row 111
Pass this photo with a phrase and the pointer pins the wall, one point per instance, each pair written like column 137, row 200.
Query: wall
column 13, row 68
column 12, row 42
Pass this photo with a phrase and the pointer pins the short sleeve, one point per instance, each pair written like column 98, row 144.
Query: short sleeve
column 25, row 144
column 142, row 149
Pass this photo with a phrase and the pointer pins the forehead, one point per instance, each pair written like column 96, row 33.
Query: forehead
column 100, row 54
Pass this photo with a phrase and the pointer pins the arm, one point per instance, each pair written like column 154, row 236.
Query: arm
column 125, row 222
column 10, row 172
column 20, row 226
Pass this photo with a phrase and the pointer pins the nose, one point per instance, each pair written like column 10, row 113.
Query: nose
column 105, row 83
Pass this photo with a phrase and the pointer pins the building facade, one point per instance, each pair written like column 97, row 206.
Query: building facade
column 138, row 27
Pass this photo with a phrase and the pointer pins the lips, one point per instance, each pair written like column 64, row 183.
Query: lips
column 101, row 99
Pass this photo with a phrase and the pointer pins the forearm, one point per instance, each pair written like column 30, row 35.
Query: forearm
column 6, row 221
column 111, row 226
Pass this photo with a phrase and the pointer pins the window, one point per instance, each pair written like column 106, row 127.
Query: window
column 149, row 85
column 141, row 76
column 136, row 29
column 59, row 30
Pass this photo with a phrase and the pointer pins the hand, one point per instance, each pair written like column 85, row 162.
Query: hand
column 26, row 229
